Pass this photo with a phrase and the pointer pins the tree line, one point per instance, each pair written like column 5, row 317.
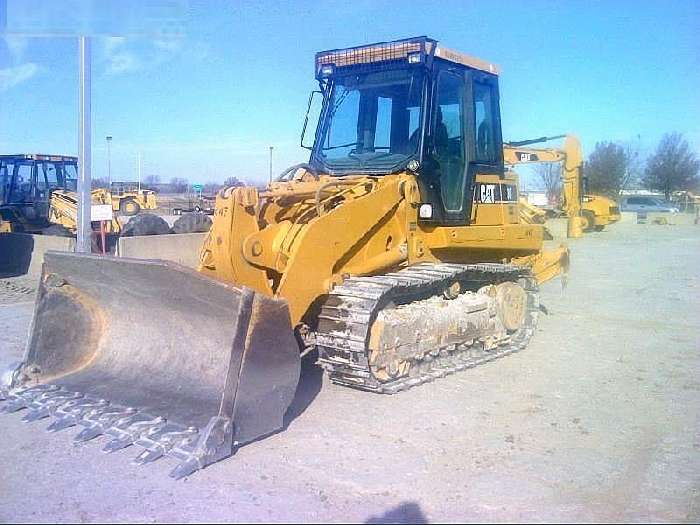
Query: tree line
column 174, row 185
column 612, row 167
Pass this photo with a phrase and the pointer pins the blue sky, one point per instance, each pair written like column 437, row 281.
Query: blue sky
column 208, row 105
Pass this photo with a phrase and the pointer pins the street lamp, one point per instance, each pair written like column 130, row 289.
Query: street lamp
column 109, row 160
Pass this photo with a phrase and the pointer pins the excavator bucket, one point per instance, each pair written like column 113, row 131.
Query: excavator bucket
column 153, row 354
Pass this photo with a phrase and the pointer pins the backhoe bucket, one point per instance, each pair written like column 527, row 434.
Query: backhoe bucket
column 154, row 354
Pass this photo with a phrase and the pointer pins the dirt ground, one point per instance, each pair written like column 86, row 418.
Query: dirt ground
column 597, row 420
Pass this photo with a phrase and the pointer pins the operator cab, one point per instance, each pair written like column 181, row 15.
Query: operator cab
column 26, row 182
column 411, row 105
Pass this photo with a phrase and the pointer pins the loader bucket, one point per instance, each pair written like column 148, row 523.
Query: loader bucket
column 154, row 354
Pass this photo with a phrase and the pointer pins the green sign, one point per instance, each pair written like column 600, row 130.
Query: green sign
column 197, row 187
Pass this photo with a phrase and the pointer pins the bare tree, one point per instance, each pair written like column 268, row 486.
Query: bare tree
column 211, row 188
column 550, row 175
column 151, row 182
column 673, row 167
column 178, row 185
column 100, row 183
column 633, row 172
column 232, row 182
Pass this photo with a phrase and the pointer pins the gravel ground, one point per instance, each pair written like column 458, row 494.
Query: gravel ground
column 597, row 420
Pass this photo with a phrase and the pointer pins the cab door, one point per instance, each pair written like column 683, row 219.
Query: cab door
column 449, row 154
column 464, row 140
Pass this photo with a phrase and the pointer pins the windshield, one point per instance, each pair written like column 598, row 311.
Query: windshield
column 372, row 122
column 18, row 183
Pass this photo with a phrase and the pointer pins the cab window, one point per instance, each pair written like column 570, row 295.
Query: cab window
column 21, row 185
column 484, row 123
column 448, row 139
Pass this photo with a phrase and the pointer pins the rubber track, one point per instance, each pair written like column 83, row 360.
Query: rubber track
column 347, row 316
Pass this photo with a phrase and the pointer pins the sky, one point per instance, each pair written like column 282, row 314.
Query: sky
column 207, row 105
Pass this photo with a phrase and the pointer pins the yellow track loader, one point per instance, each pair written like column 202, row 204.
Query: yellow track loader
column 396, row 253
column 595, row 211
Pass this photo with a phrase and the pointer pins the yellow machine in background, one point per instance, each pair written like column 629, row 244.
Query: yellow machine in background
column 129, row 199
column 530, row 213
column 396, row 255
column 38, row 195
column 63, row 208
column 595, row 211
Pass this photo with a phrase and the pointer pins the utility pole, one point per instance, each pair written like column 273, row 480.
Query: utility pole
column 83, row 244
column 109, row 160
column 271, row 148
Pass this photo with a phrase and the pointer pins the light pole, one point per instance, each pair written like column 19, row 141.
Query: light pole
column 271, row 148
column 109, row 160
column 84, row 233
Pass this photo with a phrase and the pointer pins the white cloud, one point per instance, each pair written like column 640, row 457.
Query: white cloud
column 171, row 45
column 12, row 76
column 121, row 55
column 19, row 71
column 117, row 56
column 124, row 62
column 16, row 46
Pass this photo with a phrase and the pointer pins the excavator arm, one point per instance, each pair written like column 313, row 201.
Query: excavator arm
column 571, row 158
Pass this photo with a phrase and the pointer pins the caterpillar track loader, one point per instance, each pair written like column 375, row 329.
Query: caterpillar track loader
column 396, row 253
column 595, row 211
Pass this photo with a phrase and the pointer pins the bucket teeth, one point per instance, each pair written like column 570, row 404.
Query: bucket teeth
column 198, row 451
column 71, row 412
column 193, row 447
column 186, row 468
column 129, row 429
column 46, row 403
column 161, row 440
column 87, row 434
column 98, row 420
column 23, row 398
column 147, row 456
column 116, row 444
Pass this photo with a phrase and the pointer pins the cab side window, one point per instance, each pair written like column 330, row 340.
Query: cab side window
column 484, row 123
column 21, row 190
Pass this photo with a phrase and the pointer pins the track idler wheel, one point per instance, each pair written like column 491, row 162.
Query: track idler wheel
column 511, row 302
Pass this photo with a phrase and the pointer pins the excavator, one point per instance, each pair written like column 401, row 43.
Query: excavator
column 596, row 211
column 395, row 255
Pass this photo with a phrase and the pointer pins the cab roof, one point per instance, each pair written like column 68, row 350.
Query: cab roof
column 39, row 156
column 412, row 50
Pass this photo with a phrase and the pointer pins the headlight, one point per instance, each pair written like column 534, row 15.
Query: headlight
column 425, row 211
column 414, row 58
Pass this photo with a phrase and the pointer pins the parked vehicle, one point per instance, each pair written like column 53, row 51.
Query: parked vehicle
column 646, row 203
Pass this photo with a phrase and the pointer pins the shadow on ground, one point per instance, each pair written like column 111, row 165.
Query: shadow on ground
column 407, row 512
column 15, row 254
column 310, row 382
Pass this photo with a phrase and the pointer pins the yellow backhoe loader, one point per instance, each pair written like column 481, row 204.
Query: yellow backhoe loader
column 38, row 195
column 595, row 211
column 396, row 253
